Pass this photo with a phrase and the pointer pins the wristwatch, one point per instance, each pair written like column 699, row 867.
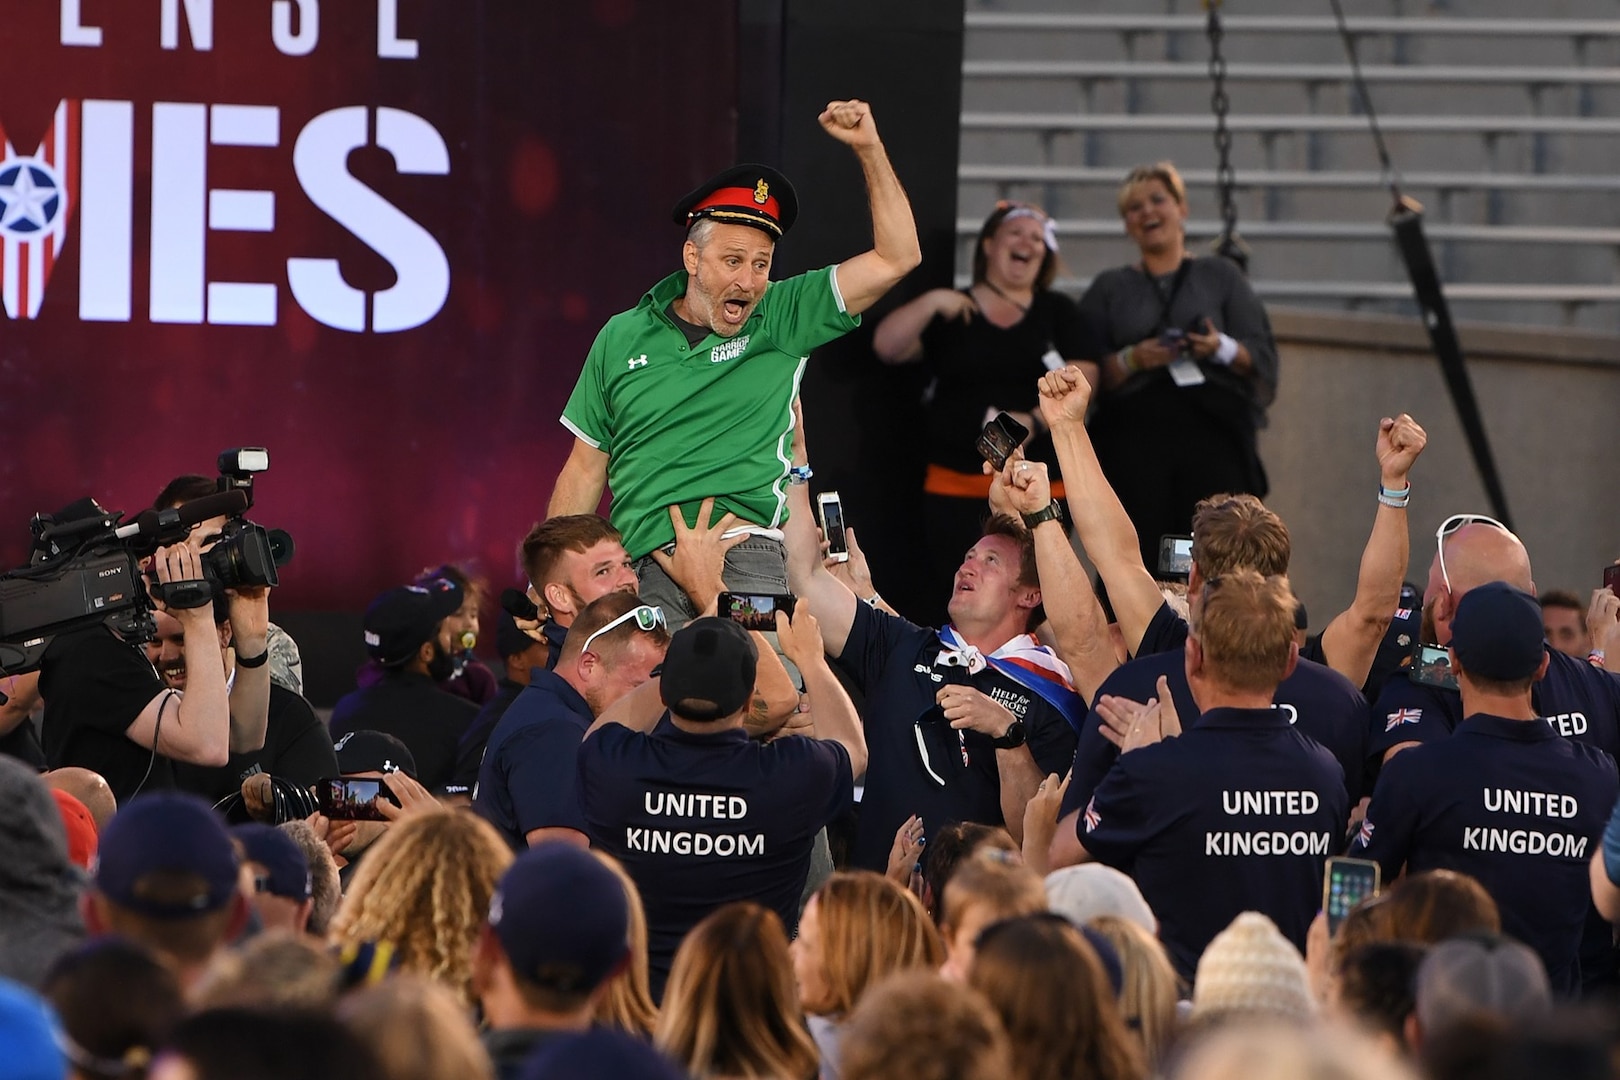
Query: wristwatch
column 1053, row 511
column 1013, row 737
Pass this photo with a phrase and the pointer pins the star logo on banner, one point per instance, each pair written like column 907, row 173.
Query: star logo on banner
column 30, row 198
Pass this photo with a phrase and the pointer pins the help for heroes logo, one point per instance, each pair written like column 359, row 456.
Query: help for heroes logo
column 81, row 177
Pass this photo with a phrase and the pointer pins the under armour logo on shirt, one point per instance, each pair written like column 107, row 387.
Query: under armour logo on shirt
column 638, row 361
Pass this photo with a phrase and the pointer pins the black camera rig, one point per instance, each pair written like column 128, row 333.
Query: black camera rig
column 85, row 567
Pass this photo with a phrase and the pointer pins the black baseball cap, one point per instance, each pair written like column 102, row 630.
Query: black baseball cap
column 175, row 835
column 286, row 868
column 562, row 918
column 402, row 619
column 1498, row 633
column 709, row 669
column 745, row 194
column 373, row 751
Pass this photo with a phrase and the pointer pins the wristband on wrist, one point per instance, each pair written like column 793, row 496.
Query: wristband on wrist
column 253, row 661
column 800, row 474
column 1127, row 358
column 873, row 601
column 1395, row 497
column 1226, row 352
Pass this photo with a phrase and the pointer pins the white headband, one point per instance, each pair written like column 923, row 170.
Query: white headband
column 1048, row 225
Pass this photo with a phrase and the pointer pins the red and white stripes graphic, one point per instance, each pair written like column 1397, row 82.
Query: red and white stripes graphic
column 26, row 261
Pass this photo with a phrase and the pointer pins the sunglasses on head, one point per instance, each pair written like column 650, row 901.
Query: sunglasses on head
column 646, row 616
column 1450, row 526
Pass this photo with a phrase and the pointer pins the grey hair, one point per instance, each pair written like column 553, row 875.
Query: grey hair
column 700, row 232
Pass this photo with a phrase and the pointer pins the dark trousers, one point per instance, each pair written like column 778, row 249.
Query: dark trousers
column 1162, row 452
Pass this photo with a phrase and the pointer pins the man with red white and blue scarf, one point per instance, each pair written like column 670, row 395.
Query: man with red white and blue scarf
column 961, row 723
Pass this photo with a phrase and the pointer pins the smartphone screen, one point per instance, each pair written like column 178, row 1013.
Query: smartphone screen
column 1000, row 438
column 1431, row 666
column 1175, row 557
column 831, row 509
column 1346, row 883
column 756, row 611
column 1611, row 579
column 350, row 800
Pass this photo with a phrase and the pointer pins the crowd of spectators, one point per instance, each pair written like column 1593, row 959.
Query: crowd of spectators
column 1051, row 838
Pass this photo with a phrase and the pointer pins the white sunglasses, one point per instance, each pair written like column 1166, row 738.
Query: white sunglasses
column 1451, row 525
column 647, row 618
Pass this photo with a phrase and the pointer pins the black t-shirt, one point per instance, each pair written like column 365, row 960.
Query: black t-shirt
column 978, row 365
column 700, row 820
column 296, row 747
column 1237, row 814
column 94, row 686
column 22, row 743
column 411, row 707
column 1512, row 805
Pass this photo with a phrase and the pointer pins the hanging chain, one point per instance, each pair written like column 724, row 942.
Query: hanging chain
column 1230, row 245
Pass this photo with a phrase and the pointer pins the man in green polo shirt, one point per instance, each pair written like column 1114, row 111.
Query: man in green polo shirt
column 689, row 395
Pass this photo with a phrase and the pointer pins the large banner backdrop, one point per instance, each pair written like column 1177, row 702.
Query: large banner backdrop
column 374, row 236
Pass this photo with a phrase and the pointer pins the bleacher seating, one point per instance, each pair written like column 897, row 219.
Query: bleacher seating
column 1506, row 128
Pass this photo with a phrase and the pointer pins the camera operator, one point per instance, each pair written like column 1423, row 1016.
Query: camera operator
column 296, row 744
column 107, row 710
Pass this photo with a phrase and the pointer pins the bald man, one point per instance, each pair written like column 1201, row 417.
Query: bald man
column 89, row 788
column 1578, row 700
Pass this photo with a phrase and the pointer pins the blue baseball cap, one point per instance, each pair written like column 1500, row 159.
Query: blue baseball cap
column 282, row 859
column 1497, row 633
column 166, row 833
column 562, row 918
column 29, row 1036
column 597, row 1053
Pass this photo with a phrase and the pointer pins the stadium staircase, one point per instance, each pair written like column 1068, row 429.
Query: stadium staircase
column 1502, row 116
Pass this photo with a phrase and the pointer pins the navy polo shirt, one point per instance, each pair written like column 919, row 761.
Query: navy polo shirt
column 1317, row 700
column 528, row 776
column 701, row 820
column 1165, row 632
column 1236, row 814
column 916, row 763
column 555, row 636
column 1579, row 701
column 1511, row 804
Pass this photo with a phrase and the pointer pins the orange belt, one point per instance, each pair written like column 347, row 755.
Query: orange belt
column 942, row 481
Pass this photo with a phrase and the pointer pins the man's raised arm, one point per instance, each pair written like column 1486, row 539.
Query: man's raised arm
column 1105, row 529
column 864, row 279
column 830, row 600
column 1351, row 640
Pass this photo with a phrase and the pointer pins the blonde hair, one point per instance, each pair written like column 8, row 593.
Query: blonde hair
column 1049, row 988
column 1238, row 532
column 417, row 1030
column 1270, row 1051
column 1147, row 1000
column 1162, row 172
column 1245, row 627
column 730, row 1008
column 627, row 1003
column 870, row 928
column 425, row 887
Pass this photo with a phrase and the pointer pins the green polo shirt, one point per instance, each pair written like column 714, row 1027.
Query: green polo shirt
column 681, row 423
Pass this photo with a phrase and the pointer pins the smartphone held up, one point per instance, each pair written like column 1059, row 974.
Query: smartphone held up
column 755, row 611
column 1000, row 437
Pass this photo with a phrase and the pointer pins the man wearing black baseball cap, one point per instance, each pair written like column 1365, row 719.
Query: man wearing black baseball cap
column 558, row 930
column 282, row 888
column 166, row 877
column 1504, row 799
column 404, row 631
column 699, row 813
column 701, row 375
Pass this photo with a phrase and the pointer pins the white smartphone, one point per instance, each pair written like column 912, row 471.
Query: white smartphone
column 831, row 512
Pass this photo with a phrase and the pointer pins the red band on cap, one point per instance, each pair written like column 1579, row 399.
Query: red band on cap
column 740, row 198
